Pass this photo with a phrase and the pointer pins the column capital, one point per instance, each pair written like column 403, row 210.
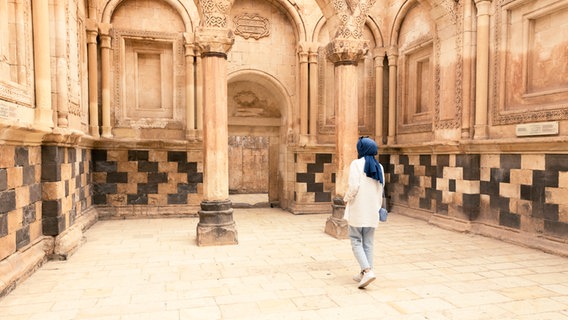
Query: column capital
column 380, row 52
column 483, row 7
column 214, row 40
column 104, row 28
column 346, row 50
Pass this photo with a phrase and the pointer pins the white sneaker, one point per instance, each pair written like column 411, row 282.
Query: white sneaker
column 367, row 278
column 358, row 277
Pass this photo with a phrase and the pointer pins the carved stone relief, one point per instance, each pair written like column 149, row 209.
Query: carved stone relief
column 531, row 82
column 251, row 26
column 147, row 67
column 16, row 65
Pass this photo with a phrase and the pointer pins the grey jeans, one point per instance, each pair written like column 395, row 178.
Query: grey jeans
column 362, row 244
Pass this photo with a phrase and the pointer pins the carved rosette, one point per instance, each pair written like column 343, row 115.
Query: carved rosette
column 214, row 40
column 346, row 50
column 215, row 12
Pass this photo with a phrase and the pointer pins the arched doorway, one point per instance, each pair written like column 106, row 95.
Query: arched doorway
column 257, row 105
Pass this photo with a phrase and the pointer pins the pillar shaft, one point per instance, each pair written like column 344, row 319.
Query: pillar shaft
column 303, row 93
column 216, row 225
column 92, row 33
column 482, row 70
column 61, row 63
column 345, row 54
column 393, row 57
column 105, row 79
column 379, row 55
column 42, row 74
column 313, row 94
column 189, row 88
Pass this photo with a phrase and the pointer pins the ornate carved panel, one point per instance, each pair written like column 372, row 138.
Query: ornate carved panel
column 251, row 26
column 16, row 64
column 531, row 82
column 148, row 71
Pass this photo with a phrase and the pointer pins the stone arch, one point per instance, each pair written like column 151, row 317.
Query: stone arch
column 292, row 12
column 186, row 15
column 264, row 108
column 370, row 23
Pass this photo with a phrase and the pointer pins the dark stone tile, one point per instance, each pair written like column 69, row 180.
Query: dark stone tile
column 425, row 160
column 105, row 188
column 66, row 188
column 470, row 164
column 52, row 226
column 333, row 177
column 98, row 155
column 323, row 197
column 147, row 188
column 192, row 188
column 52, row 155
column 384, row 159
column 51, row 208
column 504, row 204
column 500, row 175
column 71, row 155
column 117, row 177
column 452, row 185
column 510, row 220
column 105, row 166
column 78, row 183
column 551, row 179
column 73, row 173
column 157, row 177
column 22, row 237
column 3, row 224
column 35, row 192
column 146, row 166
column 315, row 167
column 510, row 161
column 177, row 156
column 315, row 187
column 556, row 162
column 403, row 159
column 3, row 179
column 526, row 191
column 177, row 198
column 50, row 172
column 195, row 177
column 409, row 169
column 430, row 171
column 137, row 199
column 7, row 201
column 305, row 177
column 138, row 155
column 550, row 212
column 21, row 157
column 538, row 178
column 29, row 214
column 556, row 228
column 414, row 181
column 189, row 167
column 99, row 199
column 323, row 158
column 443, row 160
column 471, row 205
column 425, row 203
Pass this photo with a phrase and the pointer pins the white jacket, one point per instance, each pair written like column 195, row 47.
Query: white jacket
column 364, row 196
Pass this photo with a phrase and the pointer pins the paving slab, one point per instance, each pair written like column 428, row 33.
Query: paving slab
column 286, row 267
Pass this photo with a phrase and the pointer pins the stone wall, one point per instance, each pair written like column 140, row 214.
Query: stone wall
column 521, row 194
column 147, row 182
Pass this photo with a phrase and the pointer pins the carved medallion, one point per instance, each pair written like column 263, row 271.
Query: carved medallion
column 251, row 26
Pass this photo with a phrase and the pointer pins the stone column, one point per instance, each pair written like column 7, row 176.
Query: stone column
column 378, row 57
column 345, row 54
column 61, row 65
column 303, row 115
column 313, row 93
column 468, row 85
column 189, row 87
column 393, row 60
column 216, row 225
column 92, row 33
column 481, row 129
column 105, row 78
column 198, row 93
column 42, row 74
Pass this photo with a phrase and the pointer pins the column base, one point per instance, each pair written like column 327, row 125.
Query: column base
column 335, row 225
column 481, row 132
column 216, row 225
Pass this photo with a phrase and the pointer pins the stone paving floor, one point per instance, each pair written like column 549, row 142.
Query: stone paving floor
column 286, row 267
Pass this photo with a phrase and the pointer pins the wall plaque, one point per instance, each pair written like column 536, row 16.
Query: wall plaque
column 7, row 112
column 251, row 26
column 537, row 129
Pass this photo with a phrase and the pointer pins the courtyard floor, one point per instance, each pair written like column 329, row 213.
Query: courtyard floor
column 286, row 267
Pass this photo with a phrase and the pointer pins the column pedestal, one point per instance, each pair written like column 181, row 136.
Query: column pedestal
column 216, row 225
column 335, row 225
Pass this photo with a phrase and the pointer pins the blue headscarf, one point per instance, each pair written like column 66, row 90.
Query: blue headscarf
column 367, row 148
